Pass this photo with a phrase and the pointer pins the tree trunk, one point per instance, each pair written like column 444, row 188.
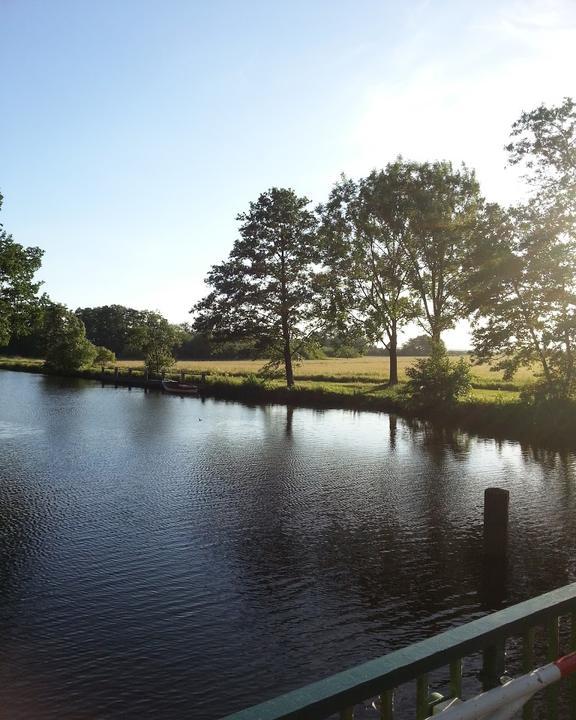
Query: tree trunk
column 393, row 355
column 435, row 338
column 287, row 353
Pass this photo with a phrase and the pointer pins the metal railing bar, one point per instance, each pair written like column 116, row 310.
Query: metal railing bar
column 326, row 697
column 456, row 678
column 422, row 689
column 387, row 705
column 528, row 666
column 572, row 680
column 552, row 651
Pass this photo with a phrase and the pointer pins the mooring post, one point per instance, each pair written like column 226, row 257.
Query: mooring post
column 203, row 378
column 116, row 375
column 145, row 378
column 102, row 371
column 496, row 502
column 182, row 376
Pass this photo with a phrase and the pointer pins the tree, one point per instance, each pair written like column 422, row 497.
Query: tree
column 441, row 213
column 544, row 144
column 264, row 291
column 18, row 291
column 523, row 294
column 364, row 233
column 110, row 325
column 419, row 345
column 351, row 344
column 66, row 346
column 157, row 339
column 104, row 356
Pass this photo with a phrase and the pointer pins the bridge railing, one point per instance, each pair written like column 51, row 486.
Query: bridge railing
column 340, row 693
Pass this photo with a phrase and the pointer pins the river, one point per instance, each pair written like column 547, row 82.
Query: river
column 167, row 557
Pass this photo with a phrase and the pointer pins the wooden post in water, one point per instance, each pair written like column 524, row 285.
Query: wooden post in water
column 203, row 377
column 182, row 376
column 130, row 377
column 116, row 375
column 145, row 378
column 496, row 501
column 494, row 576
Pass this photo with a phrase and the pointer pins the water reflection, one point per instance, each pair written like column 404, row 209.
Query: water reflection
column 166, row 556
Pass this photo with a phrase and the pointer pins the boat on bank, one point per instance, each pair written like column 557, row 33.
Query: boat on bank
column 179, row 388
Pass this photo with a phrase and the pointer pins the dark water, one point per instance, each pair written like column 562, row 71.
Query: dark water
column 164, row 557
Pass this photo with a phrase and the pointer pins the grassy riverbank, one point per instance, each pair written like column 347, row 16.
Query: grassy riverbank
column 493, row 408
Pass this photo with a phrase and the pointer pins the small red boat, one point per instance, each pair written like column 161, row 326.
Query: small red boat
column 179, row 388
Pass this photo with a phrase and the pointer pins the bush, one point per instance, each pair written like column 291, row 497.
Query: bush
column 436, row 381
column 254, row 382
column 547, row 391
column 67, row 348
column 104, row 356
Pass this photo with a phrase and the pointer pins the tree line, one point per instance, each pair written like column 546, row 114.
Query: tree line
column 415, row 242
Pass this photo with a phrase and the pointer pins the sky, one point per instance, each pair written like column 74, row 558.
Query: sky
column 132, row 132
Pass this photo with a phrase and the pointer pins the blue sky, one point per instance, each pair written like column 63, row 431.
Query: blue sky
column 133, row 131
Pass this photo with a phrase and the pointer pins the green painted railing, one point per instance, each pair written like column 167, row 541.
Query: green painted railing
column 340, row 693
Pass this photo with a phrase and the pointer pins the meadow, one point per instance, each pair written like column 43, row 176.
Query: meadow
column 359, row 376
column 368, row 369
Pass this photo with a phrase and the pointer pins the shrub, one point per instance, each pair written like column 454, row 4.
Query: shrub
column 67, row 348
column 436, row 381
column 104, row 356
column 545, row 391
column 254, row 382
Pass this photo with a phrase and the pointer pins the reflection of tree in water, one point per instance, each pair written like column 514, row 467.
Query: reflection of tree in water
column 427, row 567
column 289, row 420
column 438, row 440
column 360, row 551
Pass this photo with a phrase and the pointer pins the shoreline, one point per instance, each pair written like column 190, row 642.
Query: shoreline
column 547, row 426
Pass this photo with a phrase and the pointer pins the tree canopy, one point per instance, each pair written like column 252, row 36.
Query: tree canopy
column 442, row 207
column 157, row 339
column 264, row 291
column 66, row 347
column 543, row 143
column 110, row 325
column 523, row 291
column 18, row 290
column 421, row 345
column 364, row 233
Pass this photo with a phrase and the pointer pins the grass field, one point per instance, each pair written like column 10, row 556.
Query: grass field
column 364, row 369
column 359, row 371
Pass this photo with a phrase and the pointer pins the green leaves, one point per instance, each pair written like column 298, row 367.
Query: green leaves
column 394, row 246
column 436, row 381
column 66, row 346
column 522, row 284
column 156, row 338
column 18, row 291
column 265, row 290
